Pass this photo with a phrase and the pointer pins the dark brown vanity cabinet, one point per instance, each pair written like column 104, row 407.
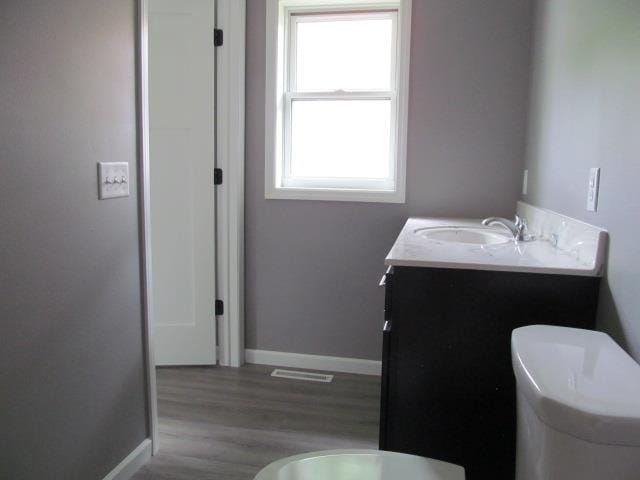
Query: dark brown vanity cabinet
column 448, row 390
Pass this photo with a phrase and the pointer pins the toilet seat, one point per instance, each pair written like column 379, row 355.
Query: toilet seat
column 359, row 465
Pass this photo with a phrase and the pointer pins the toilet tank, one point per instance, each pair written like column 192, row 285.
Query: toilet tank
column 578, row 404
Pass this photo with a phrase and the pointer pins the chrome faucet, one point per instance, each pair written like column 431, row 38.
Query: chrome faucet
column 517, row 227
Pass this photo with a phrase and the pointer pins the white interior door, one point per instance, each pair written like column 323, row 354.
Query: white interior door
column 181, row 162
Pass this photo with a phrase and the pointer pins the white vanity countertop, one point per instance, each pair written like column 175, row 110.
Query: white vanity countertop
column 537, row 256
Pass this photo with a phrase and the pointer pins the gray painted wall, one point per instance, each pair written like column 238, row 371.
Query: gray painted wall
column 312, row 267
column 72, row 386
column 587, row 114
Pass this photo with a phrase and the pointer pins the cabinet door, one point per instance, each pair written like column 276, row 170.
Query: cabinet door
column 387, row 283
column 450, row 386
column 384, row 394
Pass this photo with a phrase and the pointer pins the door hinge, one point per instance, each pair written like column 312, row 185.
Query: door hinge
column 218, row 37
column 219, row 308
column 217, row 176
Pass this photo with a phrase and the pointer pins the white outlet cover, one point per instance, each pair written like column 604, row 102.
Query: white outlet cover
column 525, row 182
column 113, row 180
column 593, row 189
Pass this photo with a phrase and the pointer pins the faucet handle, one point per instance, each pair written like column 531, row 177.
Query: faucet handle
column 518, row 220
column 522, row 229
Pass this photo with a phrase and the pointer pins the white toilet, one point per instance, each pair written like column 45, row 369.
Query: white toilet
column 578, row 401
column 359, row 465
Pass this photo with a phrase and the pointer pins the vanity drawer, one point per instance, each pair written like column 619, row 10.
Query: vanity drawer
column 387, row 282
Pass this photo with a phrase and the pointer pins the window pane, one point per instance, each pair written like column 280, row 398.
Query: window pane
column 340, row 138
column 344, row 54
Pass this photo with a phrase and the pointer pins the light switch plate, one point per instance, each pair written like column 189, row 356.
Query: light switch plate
column 113, row 180
column 593, row 189
column 525, row 182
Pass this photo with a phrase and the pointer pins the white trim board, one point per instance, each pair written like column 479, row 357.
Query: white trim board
column 144, row 205
column 230, row 86
column 132, row 462
column 314, row 362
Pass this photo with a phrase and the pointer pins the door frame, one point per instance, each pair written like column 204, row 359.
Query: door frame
column 230, row 94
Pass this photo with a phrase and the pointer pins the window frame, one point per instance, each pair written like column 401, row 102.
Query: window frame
column 283, row 16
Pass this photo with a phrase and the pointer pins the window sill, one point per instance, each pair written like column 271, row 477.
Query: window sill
column 335, row 195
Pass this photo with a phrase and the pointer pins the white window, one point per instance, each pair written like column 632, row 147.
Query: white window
column 336, row 99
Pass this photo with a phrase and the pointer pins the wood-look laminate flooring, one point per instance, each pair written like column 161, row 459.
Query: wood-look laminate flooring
column 228, row 423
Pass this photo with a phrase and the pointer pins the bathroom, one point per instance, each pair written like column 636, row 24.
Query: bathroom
column 503, row 107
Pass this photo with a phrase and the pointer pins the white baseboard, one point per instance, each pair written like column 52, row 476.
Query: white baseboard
column 313, row 362
column 130, row 465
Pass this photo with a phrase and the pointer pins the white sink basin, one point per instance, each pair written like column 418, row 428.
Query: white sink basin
column 466, row 235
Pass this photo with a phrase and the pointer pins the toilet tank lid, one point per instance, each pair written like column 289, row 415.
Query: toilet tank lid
column 579, row 382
